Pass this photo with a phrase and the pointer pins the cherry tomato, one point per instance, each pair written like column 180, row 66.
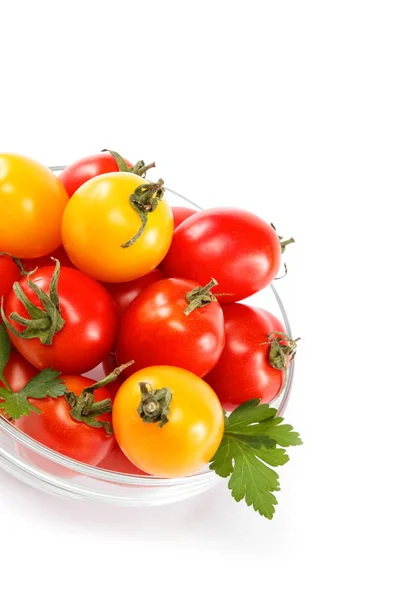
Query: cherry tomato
column 86, row 319
column 243, row 371
column 181, row 213
column 187, row 441
column 17, row 373
column 100, row 223
column 238, row 248
column 117, row 462
column 57, row 429
column 32, row 202
column 86, row 168
column 125, row 293
column 9, row 273
column 157, row 330
column 30, row 264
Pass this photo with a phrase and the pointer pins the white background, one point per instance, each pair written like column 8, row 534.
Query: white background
column 292, row 109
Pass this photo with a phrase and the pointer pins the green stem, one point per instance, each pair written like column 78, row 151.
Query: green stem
column 200, row 296
column 17, row 261
column 154, row 406
column 139, row 169
column 145, row 200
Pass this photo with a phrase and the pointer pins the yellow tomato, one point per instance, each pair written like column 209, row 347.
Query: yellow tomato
column 190, row 438
column 32, row 202
column 100, row 219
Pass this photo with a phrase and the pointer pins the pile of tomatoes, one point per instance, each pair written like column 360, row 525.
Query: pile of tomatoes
column 97, row 269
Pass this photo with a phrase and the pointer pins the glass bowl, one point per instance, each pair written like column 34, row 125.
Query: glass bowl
column 49, row 471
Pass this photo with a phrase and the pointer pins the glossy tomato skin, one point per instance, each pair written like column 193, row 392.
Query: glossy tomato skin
column 17, row 373
column 237, row 248
column 117, row 462
column 192, row 435
column 86, row 168
column 155, row 330
column 9, row 274
column 30, row 264
column 181, row 213
column 243, row 371
column 99, row 220
column 56, row 429
column 90, row 322
column 32, row 202
column 125, row 293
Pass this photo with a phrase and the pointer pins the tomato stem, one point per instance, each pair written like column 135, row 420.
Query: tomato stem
column 282, row 349
column 283, row 242
column 154, row 406
column 19, row 264
column 83, row 407
column 43, row 323
column 200, row 296
column 139, row 169
column 145, row 200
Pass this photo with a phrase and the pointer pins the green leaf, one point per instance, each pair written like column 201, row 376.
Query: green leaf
column 252, row 434
column 5, row 350
column 16, row 405
column 45, row 384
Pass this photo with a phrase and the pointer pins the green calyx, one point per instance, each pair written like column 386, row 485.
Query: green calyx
column 145, row 200
column 44, row 322
column 139, row 169
column 154, row 406
column 282, row 349
column 283, row 242
column 200, row 296
column 84, row 408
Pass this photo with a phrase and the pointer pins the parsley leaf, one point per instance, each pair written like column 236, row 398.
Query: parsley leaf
column 252, row 434
column 43, row 385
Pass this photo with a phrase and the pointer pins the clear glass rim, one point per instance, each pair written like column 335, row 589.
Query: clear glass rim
column 115, row 477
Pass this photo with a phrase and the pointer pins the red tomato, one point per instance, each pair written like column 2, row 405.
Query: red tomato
column 243, row 371
column 238, row 248
column 86, row 168
column 57, row 429
column 17, row 373
column 117, row 461
column 156, row 331
column 9, row 273
column 86, row 319
column 30, row 264
column 125, row 293
column 181, row 213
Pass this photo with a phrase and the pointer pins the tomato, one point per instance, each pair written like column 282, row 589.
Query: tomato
column 125, row 293
column 32, row 202
column 86, row 168
column 243, row 372
column 17, row 373
column 238, row 248
column 85, row 324
column 192, row 425
column 9, row 273
column 57, row 429
column 30, row 264
column 117, row 462
column 181, row 213
column 100, row 223
column 156, row 330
